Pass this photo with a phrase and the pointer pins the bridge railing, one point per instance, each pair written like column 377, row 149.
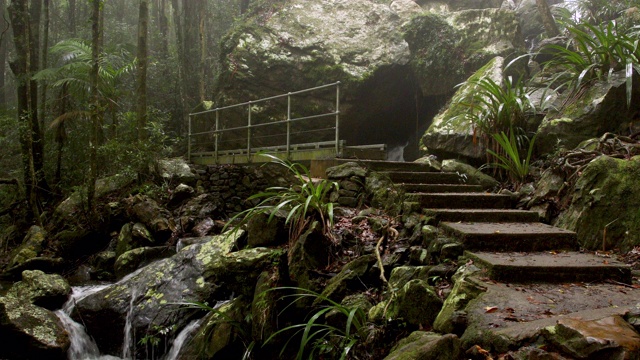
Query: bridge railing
column 212, row 138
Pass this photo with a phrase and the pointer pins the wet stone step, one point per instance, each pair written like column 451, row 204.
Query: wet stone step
column 550, row 267
column 481, row 215
column 505, row 236
column 440, row 188
column 461, row 200
column 411, row 177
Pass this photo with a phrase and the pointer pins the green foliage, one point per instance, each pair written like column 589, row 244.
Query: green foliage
column 301, row 202
column 497, row 108
column 598, row 11
column 75, row 65
column 319, row 339
column 593, row 53
column 509, row 158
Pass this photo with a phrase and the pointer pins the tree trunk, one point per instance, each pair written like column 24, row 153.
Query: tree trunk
column 203, row 54
column 181, row 71
column 141, row 91
column 43, row 62
column 29, row 131
column 95, row 106
column 547, row 18
column 163, row 27
column 3, row 53
column 72, row 17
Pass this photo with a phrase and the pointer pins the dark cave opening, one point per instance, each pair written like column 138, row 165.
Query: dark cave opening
column 390, row 109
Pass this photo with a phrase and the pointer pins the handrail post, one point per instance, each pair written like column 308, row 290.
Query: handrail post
column 338, row 119
column 289, row 126
column 189, row 139
column 217, row 135
column 249, row 134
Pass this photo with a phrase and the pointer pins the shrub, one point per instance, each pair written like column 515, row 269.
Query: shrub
column 303, row 201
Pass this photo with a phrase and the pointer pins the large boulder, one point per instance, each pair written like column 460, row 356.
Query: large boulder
column 448, row 49
column 592, row 114
column 606, row 197
column 151, row 298
column 176, row 170
column 395, row 61
column 30, row 332
column 451, row 132
column 70, row 208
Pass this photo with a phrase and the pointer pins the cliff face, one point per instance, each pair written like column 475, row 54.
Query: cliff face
column 398, row 61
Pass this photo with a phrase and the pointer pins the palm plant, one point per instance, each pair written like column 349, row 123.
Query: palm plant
column 301, row 202
column 319, row 339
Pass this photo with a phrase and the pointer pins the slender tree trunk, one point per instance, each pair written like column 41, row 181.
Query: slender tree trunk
column 547, row 18
column 181, row 70
column 163, row 27
column 72, row 17
column 29, row 132
column 141, row 92
column 95, row 106
column 4, row 25
column 203, row 54
column 43, row 62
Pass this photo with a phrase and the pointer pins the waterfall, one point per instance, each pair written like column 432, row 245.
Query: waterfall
column 128, row 345
column 82, row 345
column 182, row 338
column 396, row 153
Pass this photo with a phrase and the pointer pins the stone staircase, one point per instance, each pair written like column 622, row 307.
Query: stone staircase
column 512, row 245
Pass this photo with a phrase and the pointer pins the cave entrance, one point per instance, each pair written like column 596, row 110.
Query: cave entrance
column 390, row 109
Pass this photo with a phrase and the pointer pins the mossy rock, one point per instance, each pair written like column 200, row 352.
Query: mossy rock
column 30, row 332
column 31, row 246
column 427, row 346
column 606, row 196
column 49, row 291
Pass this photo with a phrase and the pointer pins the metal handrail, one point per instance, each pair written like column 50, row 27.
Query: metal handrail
column 251, row 126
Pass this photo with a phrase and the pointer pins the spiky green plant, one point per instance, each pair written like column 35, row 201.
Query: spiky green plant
column 509, row 158
column 317, row 338
column 301, row 202
column 592, row 53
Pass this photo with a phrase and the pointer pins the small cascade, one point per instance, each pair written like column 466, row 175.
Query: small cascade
column 182, row 338
column 82, row 345
column 128, row 345
column 396, row 153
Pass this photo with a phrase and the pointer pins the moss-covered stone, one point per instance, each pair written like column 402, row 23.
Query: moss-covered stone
column 221, row 334
column 30, row 332
column 134, row 259
column 592, row 114
column 416, row 303
column 606, row 196
column 426, row 346
column 464, row 290
column 353, row 277
column 470, row 174
column 49, row 291
column 31, row 246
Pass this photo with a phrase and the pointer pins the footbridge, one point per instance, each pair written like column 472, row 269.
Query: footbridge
column 299, row 126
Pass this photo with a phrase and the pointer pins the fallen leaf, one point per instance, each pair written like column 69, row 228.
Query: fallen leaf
column 490, row 309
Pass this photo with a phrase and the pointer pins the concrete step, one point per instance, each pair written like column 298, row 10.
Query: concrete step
column 505, row 236
column 550, row 267
column 461, row 200
column 440, row 188
column 412, row 177
column 481, row 215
